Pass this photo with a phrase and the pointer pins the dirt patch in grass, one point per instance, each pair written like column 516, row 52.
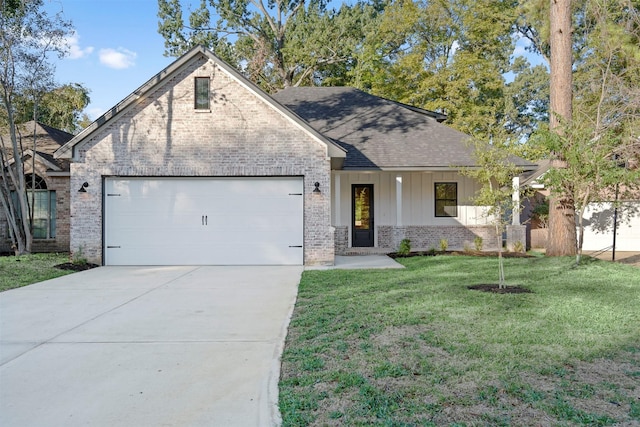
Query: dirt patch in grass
column 496, row 289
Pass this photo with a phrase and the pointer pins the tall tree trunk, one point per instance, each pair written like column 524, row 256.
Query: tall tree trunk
column 562, row 225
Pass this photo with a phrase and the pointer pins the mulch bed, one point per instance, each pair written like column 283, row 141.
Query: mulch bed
column 465, row 253
column 76, row 266
column 495, row 288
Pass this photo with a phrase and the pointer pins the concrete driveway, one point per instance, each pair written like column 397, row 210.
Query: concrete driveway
column 146, row 346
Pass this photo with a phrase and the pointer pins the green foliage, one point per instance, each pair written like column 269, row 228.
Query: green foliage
column 477, row 242
column 60, row 107
column 451, row 57
column 495, row 172
column 277, row 44
column 540, row 211
column 78, row 257
column 444, row 245
column 405, row 247
column 518, row 246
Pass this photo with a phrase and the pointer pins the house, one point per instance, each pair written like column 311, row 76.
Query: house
column 598, row 219
column 51, row 198
column 405, row 161
column 200, row 166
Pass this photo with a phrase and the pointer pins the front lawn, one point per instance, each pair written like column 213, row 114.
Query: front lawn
column 17, row 271
column 416, row 347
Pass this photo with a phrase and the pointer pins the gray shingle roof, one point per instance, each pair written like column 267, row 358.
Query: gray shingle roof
column 379, row 133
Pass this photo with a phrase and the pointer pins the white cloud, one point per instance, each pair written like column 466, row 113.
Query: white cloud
column 119, row 58
column 75, row 51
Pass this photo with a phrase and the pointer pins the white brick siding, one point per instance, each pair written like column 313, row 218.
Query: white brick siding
column 162, row 135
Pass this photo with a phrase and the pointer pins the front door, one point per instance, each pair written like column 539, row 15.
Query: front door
column 362, row 217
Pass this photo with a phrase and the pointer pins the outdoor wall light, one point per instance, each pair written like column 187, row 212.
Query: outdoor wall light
column 83, row 189
column 317, row 189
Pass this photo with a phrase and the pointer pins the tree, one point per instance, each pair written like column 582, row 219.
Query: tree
column 60, row 107
column 452, row 57
column 599, row 147
column 277, row 43
column 27, row 36
column 495, row 171
column 562, row 226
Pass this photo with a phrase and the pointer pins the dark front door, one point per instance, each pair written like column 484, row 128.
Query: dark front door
column 362, row 217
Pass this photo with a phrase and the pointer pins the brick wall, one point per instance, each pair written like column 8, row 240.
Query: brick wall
column 428, row 237
column 59, row 184
column 341, row 239
column 162, row 135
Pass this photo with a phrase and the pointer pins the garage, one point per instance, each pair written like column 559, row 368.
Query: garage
column 203, row 221
column 598, row 230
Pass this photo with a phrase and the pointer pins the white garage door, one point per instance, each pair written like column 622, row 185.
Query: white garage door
column 193, row 221
column 598, row 231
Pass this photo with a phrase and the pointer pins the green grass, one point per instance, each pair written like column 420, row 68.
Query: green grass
column 17, row 271
column 416, row 347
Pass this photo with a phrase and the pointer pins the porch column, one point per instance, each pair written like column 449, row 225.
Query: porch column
column 336, row 199
column 515, row 197
column 516, row 233
column 398, row 201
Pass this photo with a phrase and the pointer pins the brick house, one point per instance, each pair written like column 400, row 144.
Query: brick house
column 200, row 166
column 51, row 195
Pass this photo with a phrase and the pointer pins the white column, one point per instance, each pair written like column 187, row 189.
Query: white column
column 337, row 196
column 398, row 200
column 515, row 198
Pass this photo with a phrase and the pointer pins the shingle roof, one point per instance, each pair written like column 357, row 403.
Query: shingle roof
column 48, row 140
column 379, row 133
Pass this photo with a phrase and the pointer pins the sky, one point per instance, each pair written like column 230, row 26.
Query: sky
column 116, row 48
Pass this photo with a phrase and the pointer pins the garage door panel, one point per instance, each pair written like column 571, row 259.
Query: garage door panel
column 598, row 231
column 191, row 221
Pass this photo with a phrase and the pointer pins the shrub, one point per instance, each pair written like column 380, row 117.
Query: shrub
column 518, row 246
column 405, row 247
column 444, row 245
column 478, row 243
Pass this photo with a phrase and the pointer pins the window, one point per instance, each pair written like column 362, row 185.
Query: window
column 44, row 208
column 202, row 93
column 446, row 198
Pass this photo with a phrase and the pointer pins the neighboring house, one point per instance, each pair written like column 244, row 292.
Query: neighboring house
column 200, row 166
column 598, row 218
column 51, row 196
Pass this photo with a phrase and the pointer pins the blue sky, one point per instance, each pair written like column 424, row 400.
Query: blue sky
column 116, row 48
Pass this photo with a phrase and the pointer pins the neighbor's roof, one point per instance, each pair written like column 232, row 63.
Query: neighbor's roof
column 379, row 133
column 68, row 150
column 48, row 140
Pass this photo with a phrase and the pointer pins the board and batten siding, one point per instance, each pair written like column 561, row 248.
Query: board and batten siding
column 418, row 202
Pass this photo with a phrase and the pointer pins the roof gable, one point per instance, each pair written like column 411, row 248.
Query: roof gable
column 68, row 150
column 48, row 140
